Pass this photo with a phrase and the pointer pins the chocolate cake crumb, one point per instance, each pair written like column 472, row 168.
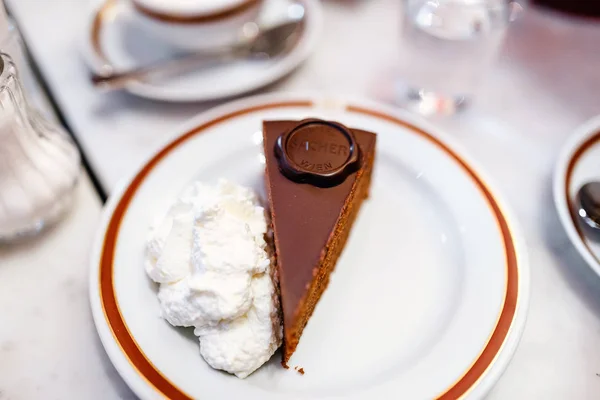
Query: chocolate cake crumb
column 301, row 370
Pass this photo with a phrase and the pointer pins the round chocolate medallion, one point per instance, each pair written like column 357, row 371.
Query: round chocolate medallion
column 318, row 152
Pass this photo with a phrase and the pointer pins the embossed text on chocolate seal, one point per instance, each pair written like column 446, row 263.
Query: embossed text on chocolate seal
column 321, row 153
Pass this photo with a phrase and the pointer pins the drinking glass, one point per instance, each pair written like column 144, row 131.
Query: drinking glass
column 446, row 47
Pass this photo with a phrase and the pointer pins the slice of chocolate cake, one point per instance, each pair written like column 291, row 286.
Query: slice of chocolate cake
column 317, row 175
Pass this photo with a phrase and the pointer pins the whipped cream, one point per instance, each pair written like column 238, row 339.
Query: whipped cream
column 210, row 257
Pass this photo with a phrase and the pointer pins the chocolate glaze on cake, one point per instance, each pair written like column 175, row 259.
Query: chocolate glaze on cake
column 318, row 173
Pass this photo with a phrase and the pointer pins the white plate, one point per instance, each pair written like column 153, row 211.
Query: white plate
column 578, row 163
column 427, row 301
column 113, row 37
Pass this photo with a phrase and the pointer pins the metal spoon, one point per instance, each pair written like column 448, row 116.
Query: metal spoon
column 268, row 42
column 588, row 199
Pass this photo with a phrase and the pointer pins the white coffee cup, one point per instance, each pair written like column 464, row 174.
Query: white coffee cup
column 195, row 24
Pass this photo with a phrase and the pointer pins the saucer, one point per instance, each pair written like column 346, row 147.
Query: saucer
column 578, row 163
column 114, row 37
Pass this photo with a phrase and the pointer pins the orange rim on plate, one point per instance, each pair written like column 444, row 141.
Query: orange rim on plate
column 160, row 383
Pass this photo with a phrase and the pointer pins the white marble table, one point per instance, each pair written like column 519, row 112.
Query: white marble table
column 48, row 345
column 546, row 83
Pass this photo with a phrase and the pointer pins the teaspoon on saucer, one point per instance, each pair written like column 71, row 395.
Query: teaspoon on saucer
column 256, row 42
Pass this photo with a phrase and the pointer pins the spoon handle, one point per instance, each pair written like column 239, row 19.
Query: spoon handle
column 112, row 79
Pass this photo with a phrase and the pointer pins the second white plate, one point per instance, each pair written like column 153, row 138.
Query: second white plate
column 578, row 163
